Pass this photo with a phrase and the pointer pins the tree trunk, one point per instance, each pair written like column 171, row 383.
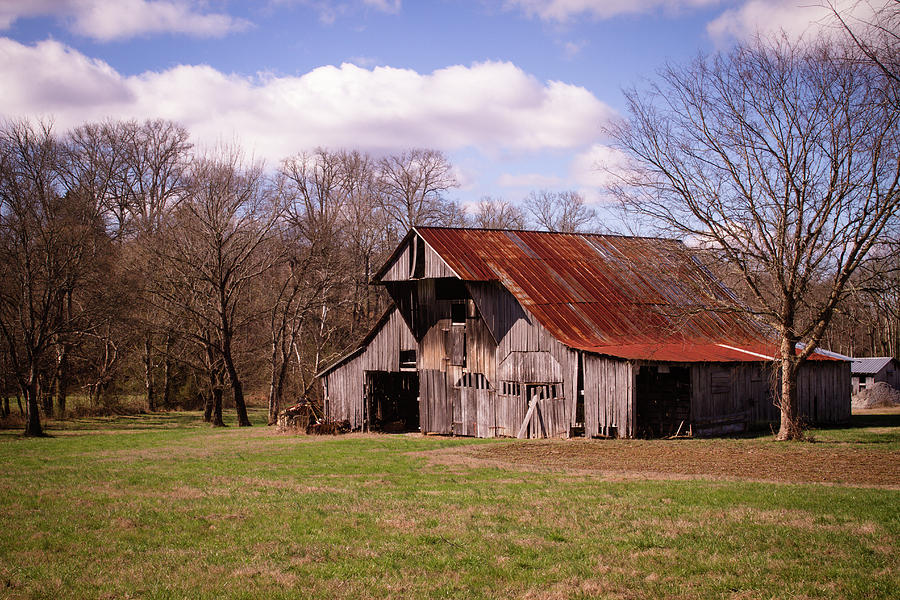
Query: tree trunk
column 236, row 386
column 62, row 378
column 167, row 376
column 239, row 405
column 276, row 391
column 33, row 419
column 19, row 402
column 5, row 408
column 167, row 385
column 46, row 398
column 273, row 403
column 207, row 408
column 789, row 428
column 217, row 407
column 276, row 385
column 148, row 375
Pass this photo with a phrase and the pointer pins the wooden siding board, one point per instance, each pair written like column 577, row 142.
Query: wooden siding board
column 607, row 395
column 399, row 269
column 435, row 265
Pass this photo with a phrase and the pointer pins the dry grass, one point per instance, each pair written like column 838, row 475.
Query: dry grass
column 738, row 460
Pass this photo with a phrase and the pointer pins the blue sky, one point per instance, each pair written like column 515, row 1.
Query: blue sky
column 515, row 92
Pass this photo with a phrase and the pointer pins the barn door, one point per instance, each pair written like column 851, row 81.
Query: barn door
column 549, row 417
column 435, row 402
column 473, row 406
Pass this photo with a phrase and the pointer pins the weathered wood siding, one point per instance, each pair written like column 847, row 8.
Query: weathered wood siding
column 401, row 269
column 730, row 396
column 435, row 402
column 344, row 386
column 527, row 354
column 823, row 391
column 608, row 396
column 344, row 393
column 725, row 394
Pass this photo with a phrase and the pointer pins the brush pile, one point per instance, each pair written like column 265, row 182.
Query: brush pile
column 880, row 395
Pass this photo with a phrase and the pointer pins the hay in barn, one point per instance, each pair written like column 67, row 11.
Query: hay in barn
column 880, row 395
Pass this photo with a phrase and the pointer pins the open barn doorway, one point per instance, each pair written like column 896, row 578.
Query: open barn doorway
column 663, row 400
column 392, row 401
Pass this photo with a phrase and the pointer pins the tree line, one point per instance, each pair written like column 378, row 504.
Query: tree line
column 132, row 262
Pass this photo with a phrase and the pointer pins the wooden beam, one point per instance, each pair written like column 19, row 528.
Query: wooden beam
column 531, row 407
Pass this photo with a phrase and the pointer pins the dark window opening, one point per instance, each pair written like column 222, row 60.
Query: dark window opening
column 407, row 360
column 458, row 311
column 392, row 403
column 474, row 380
column 450, row 288
column 511, row 388
column 542, row 391
column 663, row 398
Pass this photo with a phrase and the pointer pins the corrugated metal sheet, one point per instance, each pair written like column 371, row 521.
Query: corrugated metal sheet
column 869, row 366
column 629, row 297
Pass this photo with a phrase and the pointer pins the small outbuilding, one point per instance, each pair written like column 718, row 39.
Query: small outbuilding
column 537, row 334
column 866, row 372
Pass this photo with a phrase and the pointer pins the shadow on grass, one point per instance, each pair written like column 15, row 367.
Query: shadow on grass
column 877, row 419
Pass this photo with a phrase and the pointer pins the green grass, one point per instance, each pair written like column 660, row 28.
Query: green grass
column 161, row 506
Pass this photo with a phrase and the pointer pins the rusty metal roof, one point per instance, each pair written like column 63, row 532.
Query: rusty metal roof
column 631, row 297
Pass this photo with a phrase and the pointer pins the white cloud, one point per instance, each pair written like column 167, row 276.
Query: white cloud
column 595, row 168
column 492, row 106
column 565, row 10
column 388, row 6
column 528, row 180
column 330, row 10
column 797, row 18
column 592, row 167
column 571, row 49
column 106, row 20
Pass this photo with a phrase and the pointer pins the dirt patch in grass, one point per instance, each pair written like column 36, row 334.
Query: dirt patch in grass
column 687, row 459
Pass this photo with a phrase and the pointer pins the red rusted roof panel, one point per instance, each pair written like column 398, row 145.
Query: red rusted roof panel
column 630, row 297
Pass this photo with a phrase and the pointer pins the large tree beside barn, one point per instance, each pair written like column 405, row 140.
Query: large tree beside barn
column 781, row 160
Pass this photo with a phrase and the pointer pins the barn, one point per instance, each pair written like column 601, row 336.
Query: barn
column 866, row 372
column 538, row 334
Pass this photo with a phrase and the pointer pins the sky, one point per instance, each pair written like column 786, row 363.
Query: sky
column 515, row 92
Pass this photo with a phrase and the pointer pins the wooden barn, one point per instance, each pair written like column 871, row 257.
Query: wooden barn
column 522, row 333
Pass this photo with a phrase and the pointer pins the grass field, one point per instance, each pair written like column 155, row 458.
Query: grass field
column 161, row 506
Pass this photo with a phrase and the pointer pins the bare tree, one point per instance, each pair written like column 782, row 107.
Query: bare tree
column 153, row 180
column 874, row 28
column 315, row 189
column 780, row 158
column 497, row 213
column 135, row 172
column 213, row 254
column 563, row 212
column 369, row 235
column 413, row 185
column 50, row 239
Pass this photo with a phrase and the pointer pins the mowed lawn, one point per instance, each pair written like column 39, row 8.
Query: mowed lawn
column 161, row 506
